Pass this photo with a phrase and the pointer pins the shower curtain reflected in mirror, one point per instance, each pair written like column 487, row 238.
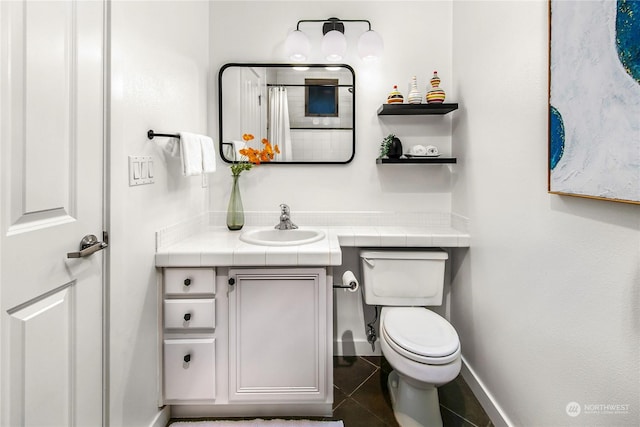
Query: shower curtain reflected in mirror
column 279, row 130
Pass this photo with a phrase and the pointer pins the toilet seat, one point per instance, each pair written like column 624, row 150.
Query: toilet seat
column 420, row 335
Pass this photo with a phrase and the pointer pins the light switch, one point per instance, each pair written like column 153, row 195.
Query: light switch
column 140, row 170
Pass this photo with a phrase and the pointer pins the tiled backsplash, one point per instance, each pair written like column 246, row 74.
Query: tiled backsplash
column 352, row 219
column 321, row 145
column 174, row 233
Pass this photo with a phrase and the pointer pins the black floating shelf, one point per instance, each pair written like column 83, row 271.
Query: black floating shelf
column 415, row 109
column 421, row 160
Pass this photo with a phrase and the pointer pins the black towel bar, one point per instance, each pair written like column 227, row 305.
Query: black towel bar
column 151, row 134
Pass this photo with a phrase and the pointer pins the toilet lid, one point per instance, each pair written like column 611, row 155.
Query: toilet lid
column 421, row 331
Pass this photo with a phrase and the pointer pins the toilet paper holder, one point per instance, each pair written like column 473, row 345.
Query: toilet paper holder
column 352, row 286
column 349, row 282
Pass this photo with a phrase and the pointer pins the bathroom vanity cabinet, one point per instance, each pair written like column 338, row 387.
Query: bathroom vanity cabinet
column 247, row 330
column 247, row 341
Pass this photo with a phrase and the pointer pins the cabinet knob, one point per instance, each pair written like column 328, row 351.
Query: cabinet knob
column 187, row 358
column 187, row 317
column 187, row 282
column 232, row 281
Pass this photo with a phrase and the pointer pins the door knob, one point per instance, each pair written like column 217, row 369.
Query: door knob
column 88, row 245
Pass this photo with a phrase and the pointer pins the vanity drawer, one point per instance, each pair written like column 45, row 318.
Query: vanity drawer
column 189, row 369
column 190, row 313
column 189, row 281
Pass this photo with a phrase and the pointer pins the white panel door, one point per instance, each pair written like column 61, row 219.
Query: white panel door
column 51, row 194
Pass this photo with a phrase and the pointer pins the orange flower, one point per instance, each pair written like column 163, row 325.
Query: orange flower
column 267, row 148
column 254, row 156
column 277, row 148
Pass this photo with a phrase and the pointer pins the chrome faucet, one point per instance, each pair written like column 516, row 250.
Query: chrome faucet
column 285, row 219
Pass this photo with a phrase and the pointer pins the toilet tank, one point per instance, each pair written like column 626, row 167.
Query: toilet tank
column 403, row 277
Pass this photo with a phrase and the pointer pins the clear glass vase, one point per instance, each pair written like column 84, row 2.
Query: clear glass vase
column 235, row 211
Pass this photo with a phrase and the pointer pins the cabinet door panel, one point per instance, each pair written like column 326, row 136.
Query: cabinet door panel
column 278, row 335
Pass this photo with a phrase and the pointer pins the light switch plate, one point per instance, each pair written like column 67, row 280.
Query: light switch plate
column 140, row 170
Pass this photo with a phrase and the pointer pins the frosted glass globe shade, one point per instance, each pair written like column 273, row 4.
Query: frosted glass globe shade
column 370, row 45
column 297, row 46
column 334, row 45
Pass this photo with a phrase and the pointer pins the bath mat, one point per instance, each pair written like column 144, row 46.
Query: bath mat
column 257, row 423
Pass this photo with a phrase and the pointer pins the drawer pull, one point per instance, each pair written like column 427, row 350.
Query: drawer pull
column 187, row 317
column 187, row 282
column 187, row 358
column 232, row 281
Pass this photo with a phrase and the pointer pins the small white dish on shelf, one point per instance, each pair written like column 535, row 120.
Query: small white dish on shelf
column 432, row 150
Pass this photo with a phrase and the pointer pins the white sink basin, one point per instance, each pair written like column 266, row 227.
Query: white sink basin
column 273, row 237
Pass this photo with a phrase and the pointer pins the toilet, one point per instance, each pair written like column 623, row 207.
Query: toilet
column 421, row 346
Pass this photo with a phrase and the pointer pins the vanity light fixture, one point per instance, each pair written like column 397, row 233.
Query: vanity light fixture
column 334, row 43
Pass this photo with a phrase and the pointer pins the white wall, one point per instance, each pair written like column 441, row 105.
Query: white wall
column 546, row 301
column 255, row 32
column 244, row 31
column 159, row 81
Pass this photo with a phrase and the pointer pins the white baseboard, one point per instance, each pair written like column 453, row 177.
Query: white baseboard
column 489, row 404
column 320, row 409
column 162, row 417
column 355, row 348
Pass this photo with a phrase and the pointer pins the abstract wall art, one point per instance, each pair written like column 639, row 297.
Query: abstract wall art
column 594, row 99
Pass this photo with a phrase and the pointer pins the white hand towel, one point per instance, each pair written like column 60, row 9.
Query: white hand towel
column 208, row 154
column 190, row 153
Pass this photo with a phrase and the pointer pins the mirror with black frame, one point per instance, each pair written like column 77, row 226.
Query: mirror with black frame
column 307, row 110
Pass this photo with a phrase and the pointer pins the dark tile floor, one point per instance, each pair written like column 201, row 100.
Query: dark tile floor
column 361, row 397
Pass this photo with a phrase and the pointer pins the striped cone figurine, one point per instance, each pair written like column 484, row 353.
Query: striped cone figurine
column 436, row 94
column 395, row 97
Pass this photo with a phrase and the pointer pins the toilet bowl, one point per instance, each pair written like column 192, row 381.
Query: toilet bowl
column 422, row 347
column 430, row 361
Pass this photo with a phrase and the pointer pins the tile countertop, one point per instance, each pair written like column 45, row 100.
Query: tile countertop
column 219, row 247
